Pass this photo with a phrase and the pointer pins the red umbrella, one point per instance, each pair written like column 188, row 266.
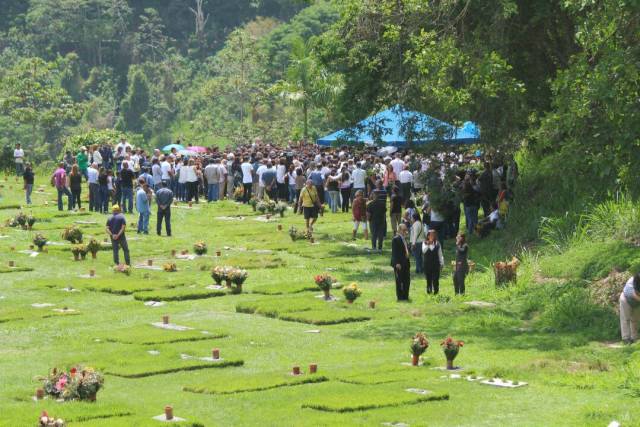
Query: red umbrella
column 197, row 149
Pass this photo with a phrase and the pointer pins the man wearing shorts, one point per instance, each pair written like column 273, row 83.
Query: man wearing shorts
column 308, row 204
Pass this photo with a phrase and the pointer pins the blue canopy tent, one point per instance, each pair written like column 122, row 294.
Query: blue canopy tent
column 398, row 127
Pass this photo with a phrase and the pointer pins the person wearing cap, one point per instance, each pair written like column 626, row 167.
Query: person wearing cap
column 83, row 161
column 116, row 227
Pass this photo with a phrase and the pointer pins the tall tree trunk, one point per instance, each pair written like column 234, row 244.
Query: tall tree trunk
column 305, row 110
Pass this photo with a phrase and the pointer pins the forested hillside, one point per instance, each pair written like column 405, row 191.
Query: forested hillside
column 555, row 80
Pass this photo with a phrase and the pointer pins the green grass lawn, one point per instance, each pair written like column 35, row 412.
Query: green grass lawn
column 279, row 321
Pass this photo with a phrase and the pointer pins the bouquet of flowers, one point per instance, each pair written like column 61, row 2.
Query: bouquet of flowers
column 293, row 233
column 218, row 274
column 253, row 202
column 122, row 268
column 39, row 240
column 351, row 292
column 72, row 234
column 451, row 348
column 82, row 383
column 79, row 251
column 506, row 272
column 238, row 193
column 261, row 207
column 170, row 267
column 419, row 344
column 93, row 246
column 21, row 220
column 324, row 281
column 238, row 276
column 46, row 421
column 281, row 208
column 30, row 221
column 200, row 248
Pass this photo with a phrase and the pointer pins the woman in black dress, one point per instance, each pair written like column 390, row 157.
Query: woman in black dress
column 75, row 184
column 432, row 262
column 462, row 265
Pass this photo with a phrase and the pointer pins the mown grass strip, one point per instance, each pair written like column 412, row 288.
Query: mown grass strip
column 83, row 418
column 14, row 269
column 342, row 409
column 145, row 374
column 178, row 294
column 292, row 383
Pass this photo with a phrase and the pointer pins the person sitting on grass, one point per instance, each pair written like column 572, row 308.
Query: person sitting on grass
column 491, row 222
column 116, row 226
column 630, row 309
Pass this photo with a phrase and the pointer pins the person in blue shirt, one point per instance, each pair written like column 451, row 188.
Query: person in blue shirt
column 143, row 199
column 116, row 226
column 148, row 178
column 317, row 178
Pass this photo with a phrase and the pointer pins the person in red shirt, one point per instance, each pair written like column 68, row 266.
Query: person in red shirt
column 359, row 210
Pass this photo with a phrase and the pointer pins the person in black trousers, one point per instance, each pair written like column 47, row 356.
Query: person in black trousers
column 401, row 264
column 462, row 264
column 164, row 199
column 377, row 216
column 432, row 262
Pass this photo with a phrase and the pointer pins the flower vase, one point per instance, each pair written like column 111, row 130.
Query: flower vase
column 83, row 256
column 415, row 359
column 92, row 397
column 168, row 413
column 327, row 294
column 450, row 364
column 76, row 257
column 94, row 255
column 350, row 301
column 228, row 283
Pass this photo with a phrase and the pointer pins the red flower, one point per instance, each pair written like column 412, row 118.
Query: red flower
column 73, row 372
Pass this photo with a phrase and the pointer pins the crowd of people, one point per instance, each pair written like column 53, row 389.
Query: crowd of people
column 421, row 197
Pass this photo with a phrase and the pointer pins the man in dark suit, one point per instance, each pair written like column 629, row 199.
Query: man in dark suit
column 400, row 262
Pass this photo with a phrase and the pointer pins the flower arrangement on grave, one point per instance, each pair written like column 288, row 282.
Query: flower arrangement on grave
column 79, row 251
column 200, row 247
column 72, row 234
column 506, row 272
column 293, row 233
column 21, row 220
column 238, row 193
column 419, row 345
column 170, row 267
column 93, row 246
column 351, row 292
column 122, row 268
column 30, row 221
column 80, row 383
column 237, row 277
column 451, row 348
column 39, row 241
column 281, row 208
column 218, row 274
column 261, row 207
column 253, row 202
column 47, row 421
column 324, row 282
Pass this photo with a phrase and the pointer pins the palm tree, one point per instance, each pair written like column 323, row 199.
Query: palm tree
column 307, row 83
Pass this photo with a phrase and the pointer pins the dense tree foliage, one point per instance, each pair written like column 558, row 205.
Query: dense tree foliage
column 557, row 79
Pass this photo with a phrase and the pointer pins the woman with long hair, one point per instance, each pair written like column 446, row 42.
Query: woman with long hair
column 75, row 185
column 462, row 264
column 432, row 261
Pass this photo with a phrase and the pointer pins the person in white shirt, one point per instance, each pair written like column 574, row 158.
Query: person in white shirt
column 97, row 157
column 405, row 178
column 166, row 170
column 247, row 179
column 191, row 180
column 222, row 178
column 94, row 188
column 397, row 164
column 18, row 157
column 281, row 173
column 262, row 169
column 358, row 178
column 181, row 189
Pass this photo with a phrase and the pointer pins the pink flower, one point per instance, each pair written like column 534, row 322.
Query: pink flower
column 61, row 383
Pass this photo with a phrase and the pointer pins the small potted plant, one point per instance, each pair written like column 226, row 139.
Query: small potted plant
column 351, row 292
column 324, row 282
column 72, row 234
column 40, row 241
column 238, row 277
column 93, row 246
column 451, row 349
column 419, row 345
column 89, row 382
column 170, row 267
column 200, row 248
